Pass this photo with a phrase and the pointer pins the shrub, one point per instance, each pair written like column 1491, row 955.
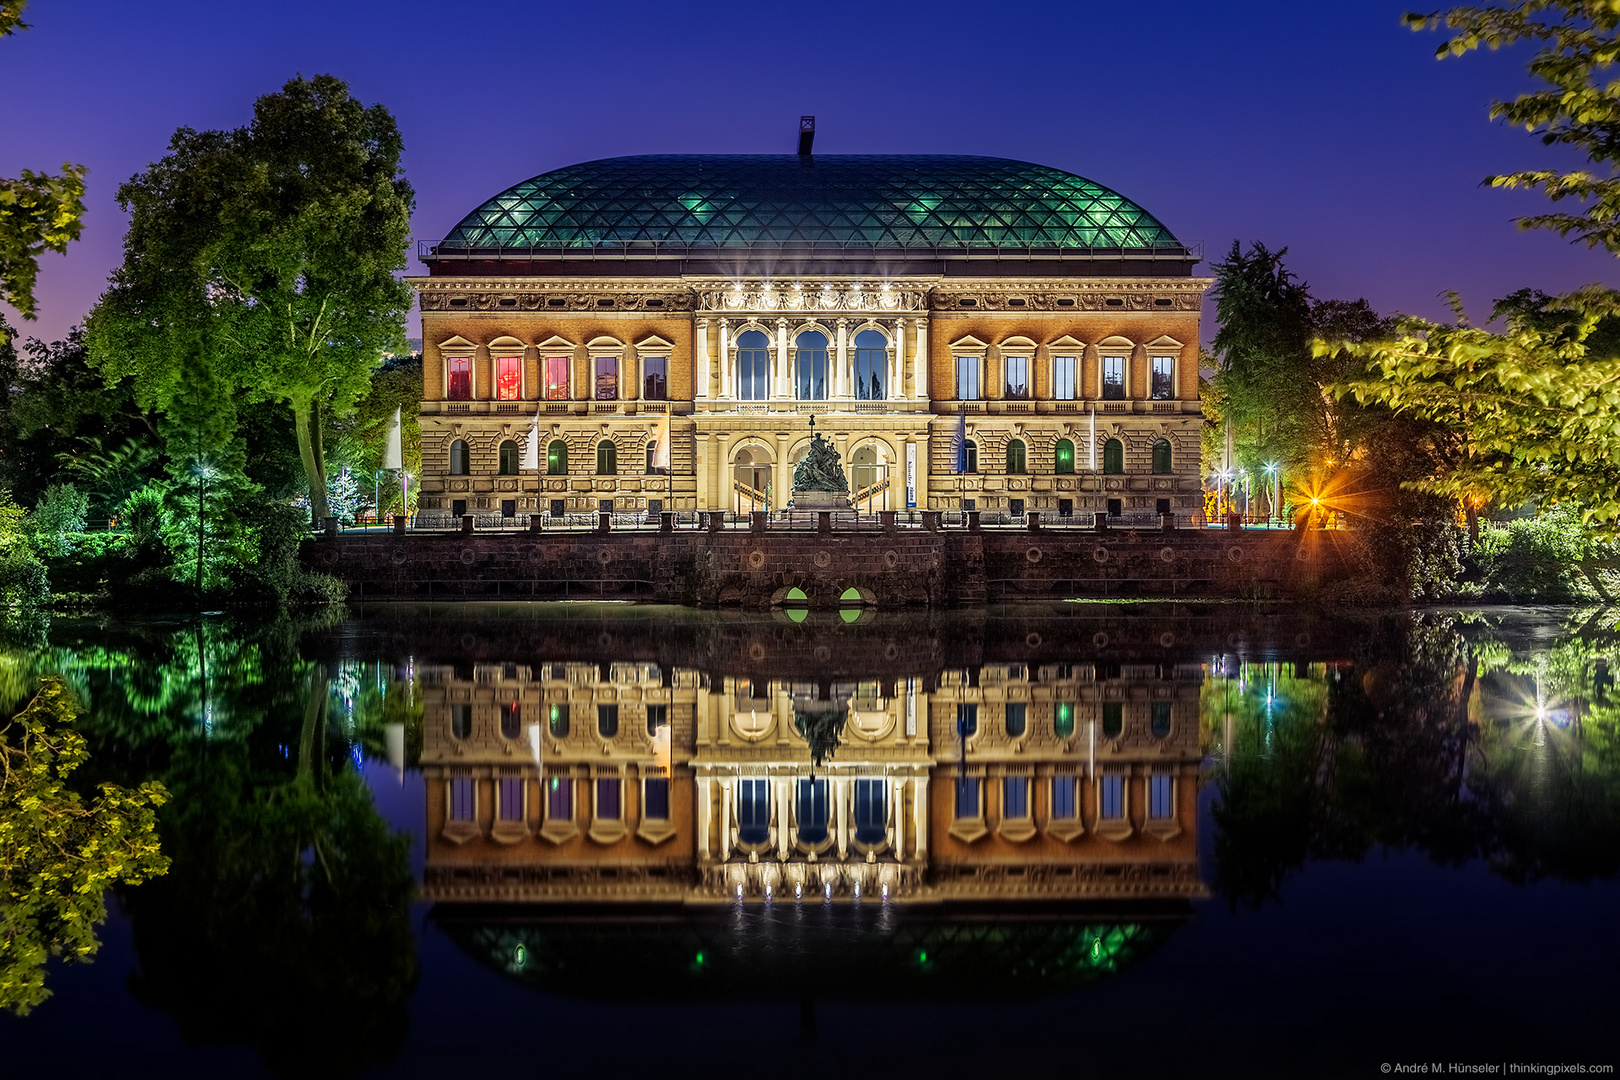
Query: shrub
column 1536, row 560
column 57, row 517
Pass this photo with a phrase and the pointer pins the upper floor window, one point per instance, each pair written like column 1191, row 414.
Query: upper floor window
column 1161, row 803
column 511, row 720
column 556, row 374
column 1113, row 719
column 1114, row 458
column 1063, row 719
column 753, row 365
column 559, row 798
column 509, row 458
column 1063, row 801
column 967, row 796
column 1112, row 797
column 608, row 792
column 812, row 811
column 967, row 719
column 508, row 378
column 511, row 796
column 1063, row 383
column 871, row 365
column 1015, row 456
column 460, row 378
column 1017, row 377
column 461, row 798
column 1017, row 719
column 1161, row 719
column 655, row 798
column 810, row 366
column 1161, row 458
column 657, row 717
column 460, row 721
column 557, row 458
column 558, row 721
column 459, row 463
column 1163, row 385
column 655, row 378
column 607, row 459
column 871, row 818
column 1063, row 458
column 753, row 810
column 967, row 378
column 1113, row 378
column 607, row 721
column 607, row 378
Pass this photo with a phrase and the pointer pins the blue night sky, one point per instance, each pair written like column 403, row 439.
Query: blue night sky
column 1326, row 127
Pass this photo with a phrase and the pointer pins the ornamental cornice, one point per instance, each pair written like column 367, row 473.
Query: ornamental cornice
column 1113, row 294
column 506, row 294
column 812, row 296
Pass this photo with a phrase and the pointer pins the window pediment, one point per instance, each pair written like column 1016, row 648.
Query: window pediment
column 457, row 344
column 1018, row 342
column 1116, row 342
column 604, row 343
column 555, row 342
column 1164, row 341
column 507, row 342
column 653, row 341
column 969, row 344
column 1067, row 342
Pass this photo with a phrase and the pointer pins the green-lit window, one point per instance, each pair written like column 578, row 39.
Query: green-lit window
column 1113, row 719
column 1063, row 719
column 607, row 459
column 1064, row 458
column 1114, row 458
column 557, row 721
column 1015, row 456
column 1161, row 458
column 557, row 458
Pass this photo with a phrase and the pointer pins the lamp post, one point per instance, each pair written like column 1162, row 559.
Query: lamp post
column 203, row 472
column 376, row 496
column 1271, row 513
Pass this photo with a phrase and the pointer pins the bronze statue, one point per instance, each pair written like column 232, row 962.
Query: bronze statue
column 820, row 469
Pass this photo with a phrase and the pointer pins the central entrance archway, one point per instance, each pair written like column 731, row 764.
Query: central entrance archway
column 751, row 480
column 869, row 479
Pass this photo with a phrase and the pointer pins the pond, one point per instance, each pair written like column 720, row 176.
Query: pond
column 1150, row 839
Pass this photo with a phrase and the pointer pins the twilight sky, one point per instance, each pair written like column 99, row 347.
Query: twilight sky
column 1324, row 126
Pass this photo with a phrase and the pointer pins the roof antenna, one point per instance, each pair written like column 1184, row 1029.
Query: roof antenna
column 807, row 134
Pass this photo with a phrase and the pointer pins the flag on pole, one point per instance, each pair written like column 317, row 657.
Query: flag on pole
column 531, row 452
column 393, row 457
column 1093, row 438
column 658, row 437
column 960, row 442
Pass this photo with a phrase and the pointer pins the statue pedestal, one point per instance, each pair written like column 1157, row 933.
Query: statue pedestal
column 820, row 500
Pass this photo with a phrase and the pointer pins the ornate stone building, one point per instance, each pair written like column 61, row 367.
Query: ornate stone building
column 972, row 333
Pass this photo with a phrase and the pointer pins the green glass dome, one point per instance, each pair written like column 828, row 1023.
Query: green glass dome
column 684, row 204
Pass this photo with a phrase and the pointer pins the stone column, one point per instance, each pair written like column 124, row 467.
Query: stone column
column 728, row 385
column 899, row 788
column 630, row 375
column 705, row 808
column 919, row 363
column 841, row 793
column 700, row 388
column 781, row 786
column 841, row 372
column 784, row 475
column 584, row 378
column 919, row 788
column 725, row 820
column 784, row 372
column 897, row 366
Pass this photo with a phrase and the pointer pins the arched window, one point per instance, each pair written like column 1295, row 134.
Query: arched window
column 652, row 457
column 970, row 456
column 812, row 811
column 1161, row 458
column 607, row 459
column 1017, row 719
column 967, row 719
column 460, row 721
column 870, row 812
column 511, row 720
column 1063, row 719
column 459, row 458
column 1015, row 456
column 810, row 366
column 871, row 365
column 509, row 458
column 1113, row 719
column 557, row 458
column 558, row 721
column 1114, row 458
column 1064, row 458
column 607, row 721
column 753, row 365
column 753, row 810
column 1161, row 719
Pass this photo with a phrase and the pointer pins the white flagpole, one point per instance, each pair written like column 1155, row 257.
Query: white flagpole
column 393, row 456
column 531, row 452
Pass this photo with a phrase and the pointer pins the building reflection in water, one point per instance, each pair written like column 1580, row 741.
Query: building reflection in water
column 617, row 819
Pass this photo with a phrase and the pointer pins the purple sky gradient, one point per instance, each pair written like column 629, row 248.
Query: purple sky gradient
column 1326, row 127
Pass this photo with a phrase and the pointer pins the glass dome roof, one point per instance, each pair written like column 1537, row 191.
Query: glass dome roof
column 847, row 203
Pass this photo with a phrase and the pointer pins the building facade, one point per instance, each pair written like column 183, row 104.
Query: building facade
column 656, row 333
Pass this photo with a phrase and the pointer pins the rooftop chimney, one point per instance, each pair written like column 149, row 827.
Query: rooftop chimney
column 807, row 134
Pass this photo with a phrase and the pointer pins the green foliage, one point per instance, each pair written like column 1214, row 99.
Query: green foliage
column 343, row 496
column 11, row 17
column 109, row 477
column 1579, row 42
column 58, row 518
column 358, row 440
column 142, row 518
column 38, row 213
column 58, row 855
column 1537, row 560
column 275, row 575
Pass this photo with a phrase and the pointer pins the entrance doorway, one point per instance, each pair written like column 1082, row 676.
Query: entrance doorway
column 751, row 480
column 869, row 479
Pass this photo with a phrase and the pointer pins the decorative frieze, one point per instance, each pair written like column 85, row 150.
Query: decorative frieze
column 856, row 297
column 448, row 294
column 1125, row 294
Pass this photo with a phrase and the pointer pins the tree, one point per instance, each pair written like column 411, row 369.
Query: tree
column 59, row 855
column 1579, row 107
column 38, row 212
column 269, row 254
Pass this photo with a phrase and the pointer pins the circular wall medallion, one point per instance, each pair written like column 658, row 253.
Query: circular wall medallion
column 891, row 652
column 604, row 639
column 1301, row 554
column 1100, row 554
column 1167, row 639
column 1033, row 640
column 467, row 556
column 1167, row 554
column 1100, row 640
column 756, row 560
column 1033, row 554
column 823, row 653
column 1234, row 553
column 604, row 556
column 756, row 651
column 891, row 559
column 400, row 557
column 1302, row 639
column 823, row 559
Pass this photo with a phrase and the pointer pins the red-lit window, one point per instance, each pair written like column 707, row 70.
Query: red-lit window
column 507, row 378
column 460, row 378
column 556, row 378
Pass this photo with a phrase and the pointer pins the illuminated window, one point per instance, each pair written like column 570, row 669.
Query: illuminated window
column 511, row 795
column 871, row 817
column 559, row 798
column 967, row 378
column 655, row 798
column 871, row 365
column 460, row 378
column 461, row 798
column 511, row 720
column 655, row 378
column 558, row 721
column 557, row 458
column 1063, row 719
column 1015, row 456
column 607, row 459
column 1161, row 801
column 1063, row 378
column 1015, row 797
column 608, row 791
column 1017, row 377
column 657, row 717
column 1112, row 797
column 753, row 810
column 459, row 463
column 970, row 456
column 508, row 378
column 607, row 721
column 1114, row 458
column 753, row 365
column 1113, row 378
column 607, row 378
column 810, row 366
column 1063, row 458
column 1161, row 458
column 967, row 719
column 509, row 458
column 812, row 811
column 1017, row 713
column 557, row 378
column 1113, row 719
column 1063, row 801
column 461, row 721
column 967, row 796
column 1164, row 378
column 1161, row 719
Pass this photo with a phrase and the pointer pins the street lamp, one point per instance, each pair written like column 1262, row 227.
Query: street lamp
column 203, row 473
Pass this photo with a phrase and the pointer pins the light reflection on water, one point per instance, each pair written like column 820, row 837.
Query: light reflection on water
column 637, row 804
